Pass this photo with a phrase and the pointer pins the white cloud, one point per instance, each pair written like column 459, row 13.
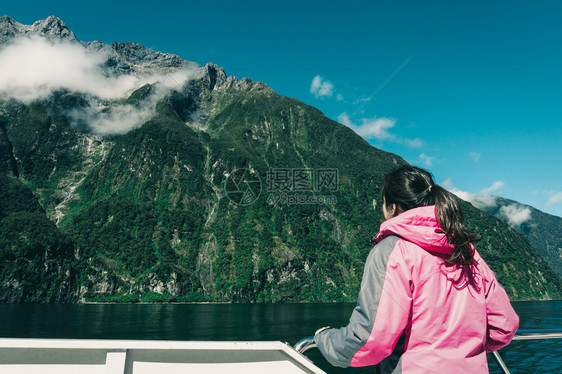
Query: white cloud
column 362, row 100
column 104, row 120
column 448, row 184
column 321, row 88
column 33, row 67
column 345, row 120
column 376, row 128
column 414, row 143
column 426, row 160
column 475, row 156
column 496, row 186
column 379, row 129
column 555, row 198
column 370, row 128
column 515, row 214
column 481, row 200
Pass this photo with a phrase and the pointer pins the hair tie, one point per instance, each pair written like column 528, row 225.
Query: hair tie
column 429, row 189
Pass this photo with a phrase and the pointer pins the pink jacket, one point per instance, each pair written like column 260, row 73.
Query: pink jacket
column 414, row 313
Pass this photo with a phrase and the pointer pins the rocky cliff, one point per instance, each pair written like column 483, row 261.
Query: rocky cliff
column 187, row 184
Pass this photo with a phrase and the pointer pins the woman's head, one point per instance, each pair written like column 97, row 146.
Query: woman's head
column 410, row 187
column 406, row 188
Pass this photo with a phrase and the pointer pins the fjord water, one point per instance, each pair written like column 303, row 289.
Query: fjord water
column 284, row 322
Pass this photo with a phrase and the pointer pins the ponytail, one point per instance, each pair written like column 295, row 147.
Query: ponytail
column 410, row 187
column 451, row 220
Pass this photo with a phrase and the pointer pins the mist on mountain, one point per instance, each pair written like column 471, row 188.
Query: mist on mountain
column 156, row 180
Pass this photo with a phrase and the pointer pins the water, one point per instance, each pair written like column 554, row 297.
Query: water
column 534, row 356
column 266, row 322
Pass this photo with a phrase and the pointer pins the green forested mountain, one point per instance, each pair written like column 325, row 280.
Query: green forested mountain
column 37, row 261
column 226, row 191
column 544, row 231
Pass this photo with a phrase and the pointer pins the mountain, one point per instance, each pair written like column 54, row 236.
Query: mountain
column 157, row 180
column 37, row 260
column 51, row 27
column 544, row 231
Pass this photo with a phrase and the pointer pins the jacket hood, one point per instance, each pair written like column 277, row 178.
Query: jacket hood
column 419, row 226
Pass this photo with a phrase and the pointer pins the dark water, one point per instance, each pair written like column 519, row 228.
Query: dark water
column 284, row 322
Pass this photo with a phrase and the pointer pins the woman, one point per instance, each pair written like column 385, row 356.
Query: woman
column 428, row 302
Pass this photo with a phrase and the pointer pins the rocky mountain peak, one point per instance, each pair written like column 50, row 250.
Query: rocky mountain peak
column 6, row 20
column 127, row 57
column 213, row 75
column 141, row 56
column 9, row 27
column 52, row 27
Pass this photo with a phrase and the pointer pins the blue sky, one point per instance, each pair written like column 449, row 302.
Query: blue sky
column 471, row 91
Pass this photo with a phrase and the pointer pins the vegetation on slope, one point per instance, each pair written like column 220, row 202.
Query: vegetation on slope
column 226, row 194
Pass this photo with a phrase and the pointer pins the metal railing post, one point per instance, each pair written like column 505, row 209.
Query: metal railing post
column 500, row 362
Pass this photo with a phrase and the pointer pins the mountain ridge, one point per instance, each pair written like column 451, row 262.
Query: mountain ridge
column 542, row 229
column 170, row 209
column 51, row 27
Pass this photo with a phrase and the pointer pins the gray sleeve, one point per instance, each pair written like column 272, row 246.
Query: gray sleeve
column 340, row 345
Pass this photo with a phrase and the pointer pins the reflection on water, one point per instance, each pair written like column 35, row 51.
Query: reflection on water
column 284, row 322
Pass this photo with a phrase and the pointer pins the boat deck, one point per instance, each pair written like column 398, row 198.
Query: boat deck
column 45, row 356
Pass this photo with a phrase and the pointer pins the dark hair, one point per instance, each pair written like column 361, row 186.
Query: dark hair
column 410, row 187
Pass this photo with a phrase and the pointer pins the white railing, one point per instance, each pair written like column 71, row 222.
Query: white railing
column 308, row 342
column 527, row 335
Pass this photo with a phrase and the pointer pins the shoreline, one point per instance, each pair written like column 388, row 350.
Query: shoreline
column 257, row 303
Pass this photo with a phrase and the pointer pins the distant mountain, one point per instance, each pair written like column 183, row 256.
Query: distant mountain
column 156, row 180
column 543, row 230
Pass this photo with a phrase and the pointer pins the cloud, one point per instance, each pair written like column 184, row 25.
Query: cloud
column 555, row 198
column 32, row 68
column 414, row 143
column 112, row 120
column 379, row 129
column 362, row 100
column 426, row 160
column 496, row 186
column 515, row 215
column 475, row 156
column 481, row 200
column 321, row 88
column 376, row 128
column 370, row 128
